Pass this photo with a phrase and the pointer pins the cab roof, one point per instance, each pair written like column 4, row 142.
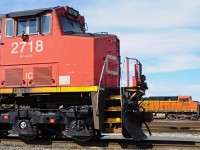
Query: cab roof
column 32, row 12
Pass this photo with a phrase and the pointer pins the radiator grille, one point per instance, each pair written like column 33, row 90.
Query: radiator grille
column 42, row 75
column 13, row 77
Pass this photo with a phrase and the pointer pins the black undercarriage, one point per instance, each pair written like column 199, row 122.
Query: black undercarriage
column 75, row 121
column 47, row 115
column 77, row 115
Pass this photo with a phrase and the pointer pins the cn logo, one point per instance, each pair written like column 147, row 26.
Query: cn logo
column 111, row 57
column 29, row 75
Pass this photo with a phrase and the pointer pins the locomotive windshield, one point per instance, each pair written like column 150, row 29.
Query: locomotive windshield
column 69, row 25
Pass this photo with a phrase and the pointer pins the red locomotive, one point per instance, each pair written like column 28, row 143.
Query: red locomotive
column 56, row 79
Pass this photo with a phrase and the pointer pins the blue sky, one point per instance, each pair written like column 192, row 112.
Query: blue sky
column 163, row 34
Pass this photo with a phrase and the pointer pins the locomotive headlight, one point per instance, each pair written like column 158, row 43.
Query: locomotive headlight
column 22, row 125
column 72, row 11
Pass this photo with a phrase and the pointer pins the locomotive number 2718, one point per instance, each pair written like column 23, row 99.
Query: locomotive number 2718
column 19, row 47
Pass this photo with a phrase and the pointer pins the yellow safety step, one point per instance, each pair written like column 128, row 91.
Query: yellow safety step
column 114, row 97
column 114, row 108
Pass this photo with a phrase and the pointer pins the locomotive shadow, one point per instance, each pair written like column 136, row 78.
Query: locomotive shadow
column 133, row 144
column 116, row 143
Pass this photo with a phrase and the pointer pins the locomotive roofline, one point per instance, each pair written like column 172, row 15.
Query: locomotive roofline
column 29, row 12
column 34, row 12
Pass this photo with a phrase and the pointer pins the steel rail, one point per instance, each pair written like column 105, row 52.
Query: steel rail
column 105, row 143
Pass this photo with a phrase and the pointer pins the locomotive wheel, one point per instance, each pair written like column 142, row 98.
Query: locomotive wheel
column 28, row 137
column 171, row 117
column 182, row 117
column 194, row 117
column 82, row 138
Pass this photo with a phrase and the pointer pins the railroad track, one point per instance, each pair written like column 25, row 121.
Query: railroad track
column 158, row 126
column 102, row 144
column 165, row 126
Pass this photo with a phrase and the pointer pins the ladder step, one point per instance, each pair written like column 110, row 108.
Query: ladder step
column 113, row 130
column 114, row 108
column 111, row 134
column 113, row 120
column 114, row 97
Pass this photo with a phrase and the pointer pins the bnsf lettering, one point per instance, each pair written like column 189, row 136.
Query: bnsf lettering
column 20, row 47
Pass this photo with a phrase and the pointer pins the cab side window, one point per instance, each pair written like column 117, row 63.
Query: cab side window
column 28, row 26
column 0, row 25
column 33, row 26
column 21, row 27
column 46, row 24
column 184, row 100
column 9, row 28
column 0, row 29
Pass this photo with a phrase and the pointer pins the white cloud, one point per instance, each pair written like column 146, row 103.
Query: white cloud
column 166, row 51
column 156, row 43
column 173, row 89
column 144, row 14
column 173, row 63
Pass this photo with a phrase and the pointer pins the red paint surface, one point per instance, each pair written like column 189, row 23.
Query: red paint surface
column 79, row 59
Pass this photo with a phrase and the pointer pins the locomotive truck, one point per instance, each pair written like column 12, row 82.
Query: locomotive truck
column 58, row 80
column 171, row 107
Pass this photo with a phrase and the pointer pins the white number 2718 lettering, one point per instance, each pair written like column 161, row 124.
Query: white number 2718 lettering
column 19, row 47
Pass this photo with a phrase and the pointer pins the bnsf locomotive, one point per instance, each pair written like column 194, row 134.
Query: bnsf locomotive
column 171, row 107
column 57, row 80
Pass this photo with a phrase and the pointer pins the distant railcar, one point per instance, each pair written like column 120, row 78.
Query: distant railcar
column 171, row 107
column 57, row 80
